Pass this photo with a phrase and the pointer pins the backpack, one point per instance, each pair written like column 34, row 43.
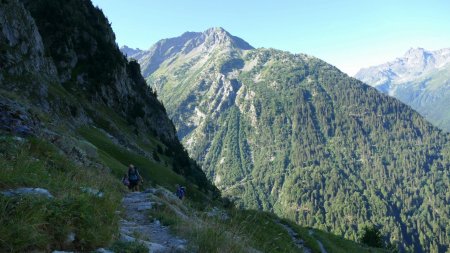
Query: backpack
column 133, row 176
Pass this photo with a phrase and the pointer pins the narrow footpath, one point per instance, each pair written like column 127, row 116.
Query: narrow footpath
column 295, row 238
column 136, row 225
column 322, row 248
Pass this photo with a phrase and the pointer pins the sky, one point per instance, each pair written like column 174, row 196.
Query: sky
column 350, row 34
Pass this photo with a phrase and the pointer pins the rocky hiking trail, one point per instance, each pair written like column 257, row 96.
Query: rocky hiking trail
column 299, row 242
column 295, row 238
column 137, row 225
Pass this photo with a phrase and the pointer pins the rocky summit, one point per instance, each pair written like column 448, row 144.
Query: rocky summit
column 420, row 78
column 291, row 134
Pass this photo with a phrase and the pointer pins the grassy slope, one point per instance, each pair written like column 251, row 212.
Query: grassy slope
column 244, row 230
column 118, row 158
column 38, row 223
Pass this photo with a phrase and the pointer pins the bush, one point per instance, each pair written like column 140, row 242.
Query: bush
column 129, row 247
column 156, row 156
column 372, row 237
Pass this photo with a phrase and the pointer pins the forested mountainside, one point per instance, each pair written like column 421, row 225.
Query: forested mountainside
column 292, row 134
column 74, row 113
column 421, row 79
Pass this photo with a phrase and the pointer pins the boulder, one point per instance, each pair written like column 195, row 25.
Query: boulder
column 27, row 191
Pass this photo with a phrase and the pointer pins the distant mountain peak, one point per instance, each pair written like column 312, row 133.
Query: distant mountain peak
column 416, row 50
column 420, row 78
column 418, row 54
column 219, row 35
column 128, row 51
column 217, row 29
column 213, row 39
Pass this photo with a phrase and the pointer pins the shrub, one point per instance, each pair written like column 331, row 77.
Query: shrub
column 372, row 237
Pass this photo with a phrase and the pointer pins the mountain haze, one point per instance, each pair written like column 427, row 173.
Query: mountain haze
column 420, row 78
column 292, row 134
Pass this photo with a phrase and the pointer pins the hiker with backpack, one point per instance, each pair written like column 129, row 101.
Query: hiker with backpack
column 181, row 191
column 134, row 178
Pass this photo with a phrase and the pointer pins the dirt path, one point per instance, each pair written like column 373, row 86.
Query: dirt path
column 322, row 248
column 299, row 242
column 136, row 225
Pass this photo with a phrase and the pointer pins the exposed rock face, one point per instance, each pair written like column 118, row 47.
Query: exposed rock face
column 290, row 133
column 420, row 78
column 22, row 49
column 22, row 62
column 89, row 62
column 70, row 64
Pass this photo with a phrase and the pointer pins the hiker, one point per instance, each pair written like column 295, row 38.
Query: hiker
column 134, row 177
column 180, row 192
column 125, row 180
column 183, row 192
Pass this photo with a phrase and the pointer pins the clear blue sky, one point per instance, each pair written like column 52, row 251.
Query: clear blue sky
column 349, row 34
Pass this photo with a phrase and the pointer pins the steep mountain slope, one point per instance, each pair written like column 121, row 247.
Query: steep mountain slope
column 73, row 114
column 420, row 78
column 291, row 134
column 90, row 68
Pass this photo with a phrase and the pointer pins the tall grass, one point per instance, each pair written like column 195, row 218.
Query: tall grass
column 337, row 244
column 243, row 231
column 212, row 236
column 38, row 223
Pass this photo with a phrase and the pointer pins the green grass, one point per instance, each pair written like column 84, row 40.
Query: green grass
column 331, row 242
column 211, row 235
column 129, row 247
column 337, row 244
column 264, row 232
column 118, row 158
column 165, row 215
column 39, row 223
column 243, row 230
column 303, row 233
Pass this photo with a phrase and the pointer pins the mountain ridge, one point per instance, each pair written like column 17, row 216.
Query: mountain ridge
column 417, row 61
column 184, row 43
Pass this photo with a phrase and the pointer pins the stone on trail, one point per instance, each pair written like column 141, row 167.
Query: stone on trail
column 27, row 191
